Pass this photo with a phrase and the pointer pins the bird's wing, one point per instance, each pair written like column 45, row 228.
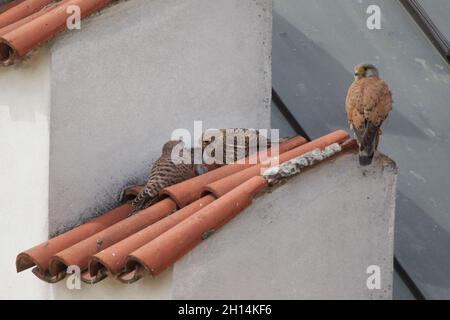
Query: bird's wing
column 368, row 104
column 380, row 102
column 355, row 108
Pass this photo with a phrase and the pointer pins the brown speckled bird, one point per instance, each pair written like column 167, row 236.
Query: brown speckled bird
column 368, row 104
column 237, row 143
column 164, row 173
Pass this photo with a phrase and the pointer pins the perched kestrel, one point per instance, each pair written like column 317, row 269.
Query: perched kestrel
column 368, row 104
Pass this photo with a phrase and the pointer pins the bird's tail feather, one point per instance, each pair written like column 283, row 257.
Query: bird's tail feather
column 145, row 198
column 365, row 160
column 368, row 144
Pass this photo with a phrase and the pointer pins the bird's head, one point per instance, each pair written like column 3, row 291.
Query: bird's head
column 168, row 146
column 365, row 70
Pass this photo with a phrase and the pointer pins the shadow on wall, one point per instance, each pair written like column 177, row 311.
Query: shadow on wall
column 419, row 238
column 313, row 84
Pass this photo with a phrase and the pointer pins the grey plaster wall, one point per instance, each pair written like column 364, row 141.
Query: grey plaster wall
column 311, row 238
column 136, row 72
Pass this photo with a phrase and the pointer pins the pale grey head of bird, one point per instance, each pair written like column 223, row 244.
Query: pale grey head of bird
column 365, row 70
column 168, row 146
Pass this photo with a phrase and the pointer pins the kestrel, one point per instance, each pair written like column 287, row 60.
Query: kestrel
column 164, row 173
column 237, row 143
column 368, row 104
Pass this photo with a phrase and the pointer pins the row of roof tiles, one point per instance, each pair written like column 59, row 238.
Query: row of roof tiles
column 128, row 247
column 25, row 24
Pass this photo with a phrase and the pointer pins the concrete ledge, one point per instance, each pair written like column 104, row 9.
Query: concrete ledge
column 311, row 238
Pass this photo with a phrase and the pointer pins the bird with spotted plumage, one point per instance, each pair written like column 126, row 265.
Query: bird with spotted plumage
column 234, row 144
column 164, row 173
column 368, row 104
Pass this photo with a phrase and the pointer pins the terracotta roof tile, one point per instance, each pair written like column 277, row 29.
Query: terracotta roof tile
column 40, row 255
column 113, row 259
column 18, row 10
column 79, row 253
column 9, row 5
column 26, row 24
column 128, row 248
column 163, row 251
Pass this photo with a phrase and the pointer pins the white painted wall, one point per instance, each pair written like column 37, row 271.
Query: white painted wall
column 24, row 156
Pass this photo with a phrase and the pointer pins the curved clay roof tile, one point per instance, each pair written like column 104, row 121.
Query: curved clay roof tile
column 32, row 31
column 113, row 258
column 79, row 253
column 40, row 255
column 21, row 9
column 163, row 251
